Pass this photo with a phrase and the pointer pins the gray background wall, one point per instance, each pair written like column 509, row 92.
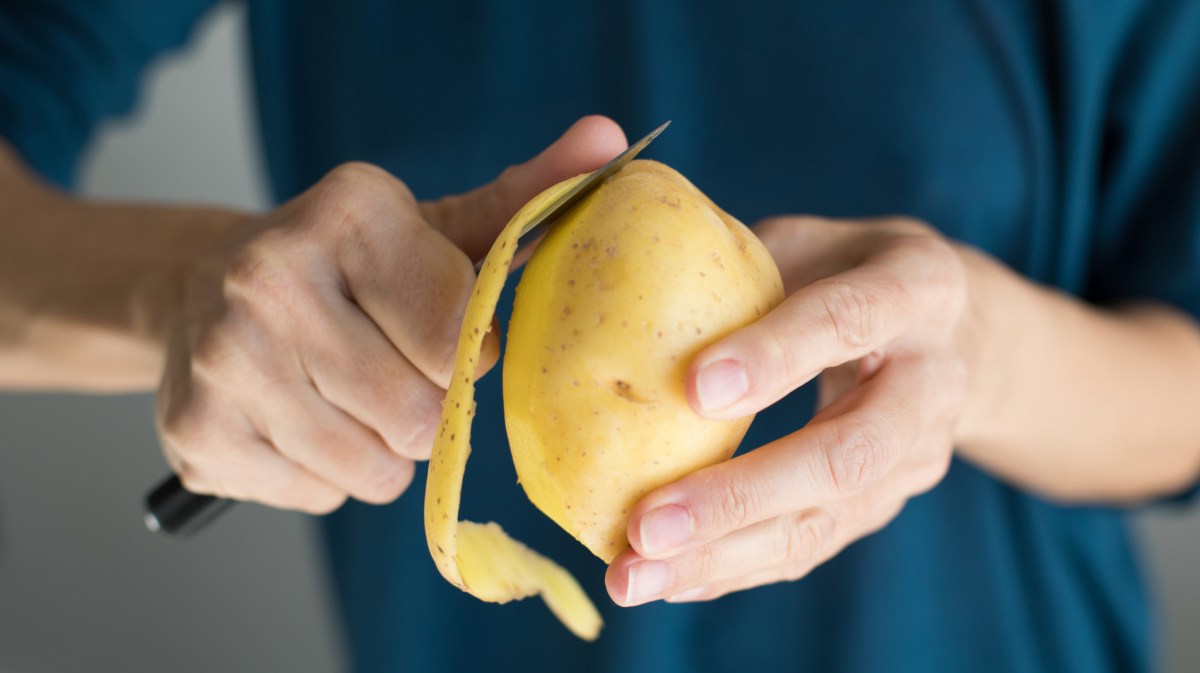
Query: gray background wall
column 83, row 587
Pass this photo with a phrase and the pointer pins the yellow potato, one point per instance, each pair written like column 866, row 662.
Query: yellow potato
column 624, row 290
column 622, row 293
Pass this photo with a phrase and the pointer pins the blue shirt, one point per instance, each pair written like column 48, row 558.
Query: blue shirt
column 1062, row 137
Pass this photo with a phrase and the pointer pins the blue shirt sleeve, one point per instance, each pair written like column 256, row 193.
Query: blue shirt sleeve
column 1149, row 237
column 1149, row 245
column 67, row 65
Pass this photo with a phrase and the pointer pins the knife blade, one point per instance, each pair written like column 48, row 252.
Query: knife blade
column 540, row 223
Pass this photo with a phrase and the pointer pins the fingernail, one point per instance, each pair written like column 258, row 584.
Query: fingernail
column 647, row 580
column 686, row 596
column 721, row 384
column 663, row 529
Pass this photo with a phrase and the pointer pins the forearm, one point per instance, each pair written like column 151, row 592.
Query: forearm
column 1076, row 402
column 85, row 289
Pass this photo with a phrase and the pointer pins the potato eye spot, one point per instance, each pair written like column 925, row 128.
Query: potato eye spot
column 624, row 390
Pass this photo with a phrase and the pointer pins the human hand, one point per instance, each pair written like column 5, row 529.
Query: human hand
column 307, row 361
column 877, row 309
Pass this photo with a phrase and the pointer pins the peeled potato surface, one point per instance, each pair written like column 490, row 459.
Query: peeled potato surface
column 625, row 289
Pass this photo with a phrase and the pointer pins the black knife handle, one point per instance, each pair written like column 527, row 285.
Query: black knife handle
column 173, row 510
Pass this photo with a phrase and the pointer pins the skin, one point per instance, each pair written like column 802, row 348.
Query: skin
column 922, row 347
column 301, row 355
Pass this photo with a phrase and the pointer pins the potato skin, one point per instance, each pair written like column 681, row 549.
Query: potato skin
column 621, row 294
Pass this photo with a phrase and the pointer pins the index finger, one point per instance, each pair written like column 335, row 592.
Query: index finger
column 826, row 461
column 833, row 321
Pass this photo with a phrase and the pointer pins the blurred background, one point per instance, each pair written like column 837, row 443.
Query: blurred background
column 84, row 587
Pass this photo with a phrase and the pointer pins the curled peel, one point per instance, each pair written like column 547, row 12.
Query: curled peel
column 481, row 559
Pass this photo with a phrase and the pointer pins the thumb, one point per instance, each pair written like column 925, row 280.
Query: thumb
column 472, row 220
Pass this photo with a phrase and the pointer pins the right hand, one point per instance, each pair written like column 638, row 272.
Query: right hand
column 307, row 361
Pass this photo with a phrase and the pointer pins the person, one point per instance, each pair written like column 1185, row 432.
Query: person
column 986, row 214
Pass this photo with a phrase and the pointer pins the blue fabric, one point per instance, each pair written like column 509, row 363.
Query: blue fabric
column 1062, row 137
column 67, row 65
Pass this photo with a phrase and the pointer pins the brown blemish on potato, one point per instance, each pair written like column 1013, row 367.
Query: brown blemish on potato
column 624, row 390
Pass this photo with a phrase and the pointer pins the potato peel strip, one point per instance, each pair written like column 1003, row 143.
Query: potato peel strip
column 481, row 559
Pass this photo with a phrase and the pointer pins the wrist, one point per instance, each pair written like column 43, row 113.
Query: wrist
column 91, row 288
column 186, row 245
column 999, row 313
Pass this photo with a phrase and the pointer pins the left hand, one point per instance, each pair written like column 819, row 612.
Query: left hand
column 877, row 309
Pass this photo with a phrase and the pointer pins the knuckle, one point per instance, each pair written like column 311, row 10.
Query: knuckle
column 245, row 269
column 410, row 433
column 320, row 504
column 849, row 313
column 210, row 354
column 294, row 490
column 796, row 570
column 255, row 277
column 435, row 349
column 506, row 198
column 804, row 535
column 703, row 564
column 356, row 175
column 780, row 359
column 192, row 479
column 344, row 456
column 932, row 472
column 857, row 455
column 439, row 355
column 186, row 425
column 946, row 261
column 736, row 504
column 941, row 282
column 391, row 486
column 355, row 187
column 358, row 466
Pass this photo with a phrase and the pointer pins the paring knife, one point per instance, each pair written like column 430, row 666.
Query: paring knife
column 173, row 510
